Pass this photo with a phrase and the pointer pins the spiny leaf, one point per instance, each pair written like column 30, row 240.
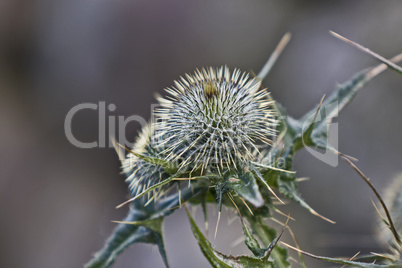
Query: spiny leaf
column 306, row 135
column 267, row 235
column 262, row 180
column 126, row 234
column 219, row 260
column 312, row 130
column 145, row 226
column 286, row 182
column 342, row 96
column 252, row 243
column 288, row 188
column 245, row 185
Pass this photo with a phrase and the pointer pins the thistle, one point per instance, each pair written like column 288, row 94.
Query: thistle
column 214, row 120
column 209, row 130
column 142, row 174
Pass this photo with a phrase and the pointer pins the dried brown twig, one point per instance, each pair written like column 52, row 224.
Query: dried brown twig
column 380, row 58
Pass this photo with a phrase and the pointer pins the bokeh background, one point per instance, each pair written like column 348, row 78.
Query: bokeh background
column 57, row 201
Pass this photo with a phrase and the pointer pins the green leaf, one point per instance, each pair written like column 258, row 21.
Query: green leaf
column 145, row 225
column 252, row 243
column 268, row 237
column 310, row 130
column 245, row 185
column 289, row 189
column 126, row 234
column 219, row 260
column 343, row 95
column 331, row 107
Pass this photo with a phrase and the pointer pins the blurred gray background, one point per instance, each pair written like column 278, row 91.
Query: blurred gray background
column 57, row 201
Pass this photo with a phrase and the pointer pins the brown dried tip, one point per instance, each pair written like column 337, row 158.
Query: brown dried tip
column 380, row 58
column 210, row 89
column 367, row 180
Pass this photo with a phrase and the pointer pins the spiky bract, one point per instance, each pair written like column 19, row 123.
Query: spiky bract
column 214, row 119
column 142, row 174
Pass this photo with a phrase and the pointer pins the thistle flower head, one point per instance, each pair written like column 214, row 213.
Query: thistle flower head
column 142, row 174
column 214, row 119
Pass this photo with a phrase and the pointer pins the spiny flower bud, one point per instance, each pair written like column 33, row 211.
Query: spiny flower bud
column 142, row 174
column 214, row 120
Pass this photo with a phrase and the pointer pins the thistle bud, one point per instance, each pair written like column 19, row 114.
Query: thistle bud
column 214, row 119
column 142, row 174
